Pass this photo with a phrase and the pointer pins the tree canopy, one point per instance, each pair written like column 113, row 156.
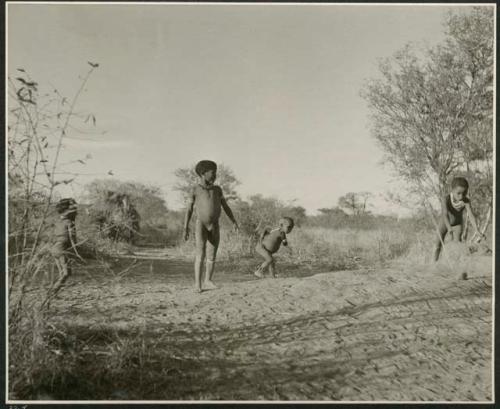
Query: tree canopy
column 187, row 179
column 355, row 203
column 432, row 109
column 147, row 199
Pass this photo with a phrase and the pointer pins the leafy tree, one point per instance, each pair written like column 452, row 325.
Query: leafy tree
column 116, row 217
column 126, row 211
column 349, row 202
column 355, row 203
column 297, row 213
column 431, row 111
column 147, row 199
column 187, row 179
column 364, row 196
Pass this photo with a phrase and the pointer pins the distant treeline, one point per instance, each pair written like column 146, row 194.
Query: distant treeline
column 141, row 213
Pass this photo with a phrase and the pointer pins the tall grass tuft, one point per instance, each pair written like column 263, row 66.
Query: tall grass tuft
column 38, row 125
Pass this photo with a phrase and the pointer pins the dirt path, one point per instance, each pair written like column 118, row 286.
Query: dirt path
column 392, row 334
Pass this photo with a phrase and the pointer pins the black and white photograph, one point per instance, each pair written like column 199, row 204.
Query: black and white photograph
column 249, row 202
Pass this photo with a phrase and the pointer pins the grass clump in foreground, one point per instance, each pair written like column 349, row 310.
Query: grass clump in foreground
column 77, row 363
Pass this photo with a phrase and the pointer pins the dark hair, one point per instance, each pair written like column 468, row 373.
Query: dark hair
column 204, row 166
column 289, row 220
column 460, row 182
column 64, row 204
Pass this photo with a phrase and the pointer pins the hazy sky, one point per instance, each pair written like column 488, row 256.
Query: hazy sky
column 270, row 90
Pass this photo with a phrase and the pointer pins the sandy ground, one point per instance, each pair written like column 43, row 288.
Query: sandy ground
column 399, row 334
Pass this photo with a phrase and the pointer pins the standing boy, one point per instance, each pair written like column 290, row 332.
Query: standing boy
column 209, row 199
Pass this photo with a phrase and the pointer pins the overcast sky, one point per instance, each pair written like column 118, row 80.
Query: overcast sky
column 270, row 90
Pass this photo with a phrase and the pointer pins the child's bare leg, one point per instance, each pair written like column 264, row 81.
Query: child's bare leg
column 457, row 233
column 212, row 246
column 197, row 270
column 259, row 272
column 440, row 240
column 64, row 271
column 268, row 259
column 201, row 240
column 272, row 269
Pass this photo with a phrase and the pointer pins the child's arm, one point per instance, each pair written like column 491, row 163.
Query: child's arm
column 284, row 241
column 229, row 212
column 263, row 234
column 189, row 213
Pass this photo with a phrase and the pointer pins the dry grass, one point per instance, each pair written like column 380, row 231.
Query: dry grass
column 330, row 248
column 342, row 248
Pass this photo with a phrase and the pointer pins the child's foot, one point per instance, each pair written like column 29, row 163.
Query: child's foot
column 258, row 274
column 209, row 285
column 198, row 290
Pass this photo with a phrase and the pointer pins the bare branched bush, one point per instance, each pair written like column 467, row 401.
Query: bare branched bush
column 130, row 212
column 40, row 120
